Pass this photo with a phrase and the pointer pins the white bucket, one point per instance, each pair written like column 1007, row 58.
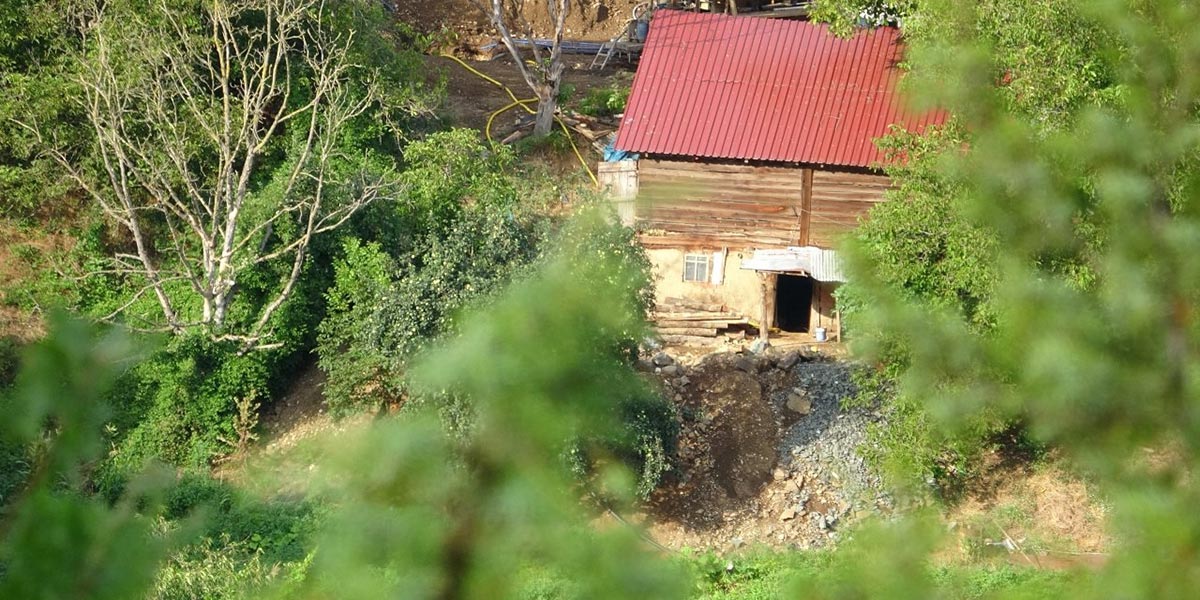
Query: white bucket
column 819, row 334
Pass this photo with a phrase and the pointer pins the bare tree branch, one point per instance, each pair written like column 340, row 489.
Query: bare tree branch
column 544, row 75
column 182, row 118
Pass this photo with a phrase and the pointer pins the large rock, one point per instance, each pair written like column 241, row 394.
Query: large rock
column 787, row 360
column 799, row 402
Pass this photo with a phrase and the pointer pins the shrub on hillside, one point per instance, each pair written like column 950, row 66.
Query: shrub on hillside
column 467, row 235
column 9, row 361
column 605, row 101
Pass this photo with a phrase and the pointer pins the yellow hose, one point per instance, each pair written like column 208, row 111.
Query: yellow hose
column 595, row 182
column 523, row 104
column 487, row 131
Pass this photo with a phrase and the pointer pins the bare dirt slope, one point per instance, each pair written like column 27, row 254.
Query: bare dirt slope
column 769, row 456
column 591, row 20
column 22, row 249
column 470, row 99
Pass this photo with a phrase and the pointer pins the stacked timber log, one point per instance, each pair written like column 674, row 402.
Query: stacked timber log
column 679, row 321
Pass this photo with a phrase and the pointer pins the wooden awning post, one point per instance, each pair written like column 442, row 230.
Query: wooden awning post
column 764, row 325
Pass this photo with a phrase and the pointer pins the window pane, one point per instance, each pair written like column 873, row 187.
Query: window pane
column 695, row 267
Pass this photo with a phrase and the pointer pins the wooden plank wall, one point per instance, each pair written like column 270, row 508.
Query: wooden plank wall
column 838, row 199
column 620, row 178
column 710, row 205
column 698, row 204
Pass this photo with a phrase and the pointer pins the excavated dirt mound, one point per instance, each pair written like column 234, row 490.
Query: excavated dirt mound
column 727, row 448
column 766, row 453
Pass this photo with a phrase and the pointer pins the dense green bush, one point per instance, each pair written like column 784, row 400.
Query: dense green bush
column 922, row 245
column 605, row 101
column 277, row 529
column 9, row 361
column 219, row 569
column 465, row 235
column 178, row 406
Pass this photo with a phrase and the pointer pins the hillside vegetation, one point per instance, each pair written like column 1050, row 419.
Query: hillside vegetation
column 201, row 202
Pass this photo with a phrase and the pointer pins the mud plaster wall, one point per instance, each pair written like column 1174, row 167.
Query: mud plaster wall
column 740, row 291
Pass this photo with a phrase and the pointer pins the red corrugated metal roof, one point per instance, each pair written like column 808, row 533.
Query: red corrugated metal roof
column 766, row 89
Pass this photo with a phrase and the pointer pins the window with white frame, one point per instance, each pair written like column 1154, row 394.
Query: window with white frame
column 696, row 266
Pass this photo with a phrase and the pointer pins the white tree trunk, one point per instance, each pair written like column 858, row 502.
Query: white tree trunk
column 182, row 146
column 544, row 120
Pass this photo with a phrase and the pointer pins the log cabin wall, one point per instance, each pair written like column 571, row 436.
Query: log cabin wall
column 683, row 204
column 838, row 200
column 710, row 205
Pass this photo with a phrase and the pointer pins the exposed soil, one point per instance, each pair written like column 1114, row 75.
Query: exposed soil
column 752, row 470
column 280, row 462
column 1041, row 515
column 471, row 99
column 21, row 250
column 468, row 28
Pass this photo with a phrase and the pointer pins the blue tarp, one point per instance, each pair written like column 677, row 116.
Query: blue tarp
column 611, row 154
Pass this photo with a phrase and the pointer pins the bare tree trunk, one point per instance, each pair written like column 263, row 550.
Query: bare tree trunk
column 547, row 105
column 543, row 74
column 181, row 147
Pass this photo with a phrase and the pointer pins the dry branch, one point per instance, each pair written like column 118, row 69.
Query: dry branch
column 182, row 121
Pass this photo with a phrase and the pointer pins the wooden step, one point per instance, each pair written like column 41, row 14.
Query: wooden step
column 688, row 339
column 697, row 331
column 715, row 323
column 696, row 316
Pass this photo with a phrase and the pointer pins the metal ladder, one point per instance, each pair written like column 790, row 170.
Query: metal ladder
column 607, row 49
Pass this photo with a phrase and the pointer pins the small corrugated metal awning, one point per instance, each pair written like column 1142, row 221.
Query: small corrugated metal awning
column 819, row 263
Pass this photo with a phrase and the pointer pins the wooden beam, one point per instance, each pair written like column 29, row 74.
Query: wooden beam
column 767, row 284
column 806, row 179
column 715, row 323
column 695, row 331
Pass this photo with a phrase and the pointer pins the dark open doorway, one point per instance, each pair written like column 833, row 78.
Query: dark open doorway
column 793, row 302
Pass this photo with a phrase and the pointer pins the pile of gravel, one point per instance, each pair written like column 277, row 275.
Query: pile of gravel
column 823, row 444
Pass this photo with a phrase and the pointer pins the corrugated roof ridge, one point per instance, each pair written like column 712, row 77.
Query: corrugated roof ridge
column 847, row 101
column 724, row 88
column 829, row 55
column 869, row 95
column 677, row 81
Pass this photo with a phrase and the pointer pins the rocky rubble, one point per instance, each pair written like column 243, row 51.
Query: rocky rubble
column 767, row 455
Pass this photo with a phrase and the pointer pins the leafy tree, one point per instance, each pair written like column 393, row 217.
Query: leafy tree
column 1045, row 63
column 435, row 514
column 446, row 516
column 1101, row 368
column 464, row 234
column 34, row 82
column 55, row 542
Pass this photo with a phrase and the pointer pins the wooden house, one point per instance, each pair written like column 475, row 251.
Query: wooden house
column 755, row 151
